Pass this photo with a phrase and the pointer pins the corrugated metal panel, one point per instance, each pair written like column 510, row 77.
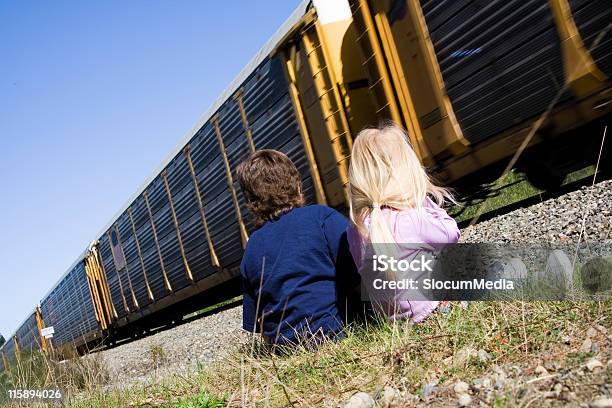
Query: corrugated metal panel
column 134, row 267
column 112, row 276
column 279, row 130
column 148, row 248
column 27, row 334
column 166, row 235
column 237, row 149
column 9, row 350
column 88, row 323
column 50, row 307
column 220, row 212
column 68, row 320
column 69, row 309
column 272, row 118
column 188, row 217
column 501, row 60
column 593, row 17
column 124, row 229
column 47, row 308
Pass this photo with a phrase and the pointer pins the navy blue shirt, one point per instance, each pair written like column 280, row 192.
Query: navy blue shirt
column 307, row 274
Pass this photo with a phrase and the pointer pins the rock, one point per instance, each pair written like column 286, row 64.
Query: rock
column 586, row 345
column 462, row 356
column 540, row 370
column 601, row 328
column 499, row 377
column 483, row 355
column 516, row 370
column 602, row 402
column 482, row 384
column 464, row 400
column 360, row 400
column 558, row 272
column 461, row 387
column 596, row 275
column 390, row 397
column 429, row 387
column 552, row 365
column 557, row 220
column 591, row 332
column 594, row 364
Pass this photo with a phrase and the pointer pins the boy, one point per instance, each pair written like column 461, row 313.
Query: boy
column 296, row 270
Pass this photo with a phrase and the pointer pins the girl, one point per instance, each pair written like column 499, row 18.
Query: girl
column 393, row 201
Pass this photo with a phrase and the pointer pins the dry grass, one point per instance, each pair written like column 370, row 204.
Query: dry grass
column 408, row 356
column 405, row 356
column 36, row 370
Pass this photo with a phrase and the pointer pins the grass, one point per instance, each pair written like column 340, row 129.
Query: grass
column 412, row 358
column 405, row 356
column 157, row 356
column 37, row 370
column 505, row 191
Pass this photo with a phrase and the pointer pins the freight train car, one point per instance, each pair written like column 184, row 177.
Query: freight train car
column 9, row 352
column 68, row 308
column 28, row 334
column 468, row 79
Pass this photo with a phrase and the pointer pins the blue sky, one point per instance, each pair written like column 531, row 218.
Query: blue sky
column 93, row 96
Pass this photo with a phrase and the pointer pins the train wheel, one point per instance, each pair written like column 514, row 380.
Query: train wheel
column 542, row 174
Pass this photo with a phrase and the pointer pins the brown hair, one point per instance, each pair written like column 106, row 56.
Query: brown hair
column 271, row 185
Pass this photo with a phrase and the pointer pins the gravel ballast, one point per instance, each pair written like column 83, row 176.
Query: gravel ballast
column 556, row 220
column 180, row 349
column 201, row 341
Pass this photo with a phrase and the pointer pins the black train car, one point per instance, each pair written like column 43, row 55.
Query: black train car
column 9, row 352
column 28, row 334
column 592, row 19
column 69, row 310
column 501, row 61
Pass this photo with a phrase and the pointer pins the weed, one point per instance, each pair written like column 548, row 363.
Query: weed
column 157, row 356
column 201, row 400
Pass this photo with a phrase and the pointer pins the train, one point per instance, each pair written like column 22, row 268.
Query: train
column 470, row 80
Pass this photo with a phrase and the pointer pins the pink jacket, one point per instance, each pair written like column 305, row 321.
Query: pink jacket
column 433, row 227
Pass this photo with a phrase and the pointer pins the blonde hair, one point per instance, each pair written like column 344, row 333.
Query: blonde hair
column 386, row 172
